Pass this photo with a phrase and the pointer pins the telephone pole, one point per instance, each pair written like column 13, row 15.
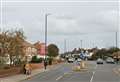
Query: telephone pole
column 81, row 41
column 46, row 36
column 65, row 46
column 116, row 36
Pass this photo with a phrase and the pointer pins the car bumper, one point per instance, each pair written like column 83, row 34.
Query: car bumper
column 99, row 62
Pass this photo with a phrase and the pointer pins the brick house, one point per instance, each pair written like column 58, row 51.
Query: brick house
column 40, row 49
column 29, row 50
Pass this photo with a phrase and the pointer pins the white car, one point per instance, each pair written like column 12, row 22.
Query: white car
column 99, row 61
column 70, row 60
column 110, row 60
column 79, row 60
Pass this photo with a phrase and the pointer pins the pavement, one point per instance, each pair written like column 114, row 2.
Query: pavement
column 65, row 73
column 21, row 77
column 117, row 70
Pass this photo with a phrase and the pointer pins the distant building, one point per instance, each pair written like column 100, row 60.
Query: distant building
column 40, row 49
column 29, row 50
column 116, row 55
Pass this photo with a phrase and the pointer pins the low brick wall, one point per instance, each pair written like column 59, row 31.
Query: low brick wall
column 9, row 72
column 36, row 65
column 17, row 70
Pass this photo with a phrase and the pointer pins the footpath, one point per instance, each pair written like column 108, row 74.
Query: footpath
column 117, row 70
column 21, row 77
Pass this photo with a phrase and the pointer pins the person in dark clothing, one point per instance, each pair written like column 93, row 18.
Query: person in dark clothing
column 45, row 64
column 24, row 70
column 117, row 60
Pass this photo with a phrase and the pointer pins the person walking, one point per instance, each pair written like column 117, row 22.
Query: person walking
column 45, row 64
column 27, row 69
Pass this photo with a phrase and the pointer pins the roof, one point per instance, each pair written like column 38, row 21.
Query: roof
column 116, row 54
column 27, row 44
column 38, row 44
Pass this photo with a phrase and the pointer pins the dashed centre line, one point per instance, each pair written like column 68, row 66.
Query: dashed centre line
column 62, row 76
column 91, row 80
column 92, row 76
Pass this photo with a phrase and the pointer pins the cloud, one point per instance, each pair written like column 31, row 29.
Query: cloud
column 109, row 19
column 102, row 21
column 68, row 21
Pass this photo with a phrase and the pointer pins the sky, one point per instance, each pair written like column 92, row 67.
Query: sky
column 95, row 22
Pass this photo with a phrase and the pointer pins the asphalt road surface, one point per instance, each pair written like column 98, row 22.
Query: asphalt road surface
column 64, row 73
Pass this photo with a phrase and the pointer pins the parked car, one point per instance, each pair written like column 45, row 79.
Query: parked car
column 99, row 61
column 79, row 60
column 110, row 60
column 70, row 60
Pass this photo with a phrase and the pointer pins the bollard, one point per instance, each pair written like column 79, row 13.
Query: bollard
column 82, row 65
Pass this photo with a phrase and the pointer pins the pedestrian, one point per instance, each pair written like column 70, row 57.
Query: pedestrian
column 27, row 69
column 117, row 60
column 24, row 70
column 45, row 64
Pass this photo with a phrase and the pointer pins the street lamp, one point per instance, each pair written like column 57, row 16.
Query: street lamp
column 46, row 18
column 81, row 43
column 116, row 37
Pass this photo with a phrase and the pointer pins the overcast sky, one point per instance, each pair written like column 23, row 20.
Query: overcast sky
column 93, row 22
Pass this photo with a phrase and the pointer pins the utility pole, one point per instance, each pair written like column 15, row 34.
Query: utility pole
column 45, row 61
column 81, row 43
column 116, row 36
column 65, row 46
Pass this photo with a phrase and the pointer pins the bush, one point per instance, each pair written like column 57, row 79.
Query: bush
column 36, row 60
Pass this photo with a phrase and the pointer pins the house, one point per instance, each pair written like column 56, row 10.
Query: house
column 116, row 55
column 29, row 50
column 40, row 49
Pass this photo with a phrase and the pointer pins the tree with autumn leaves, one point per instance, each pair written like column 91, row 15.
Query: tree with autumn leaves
column 11, row 44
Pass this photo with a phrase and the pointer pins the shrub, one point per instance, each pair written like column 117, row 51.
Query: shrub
column 36, row 60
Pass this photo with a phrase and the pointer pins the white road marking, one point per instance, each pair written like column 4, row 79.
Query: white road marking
column 62, row 76
column 116, row 72
column 91, row 80
column 92, row 76
column 59, row 78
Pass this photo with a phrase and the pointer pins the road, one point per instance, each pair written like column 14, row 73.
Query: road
column 64, row 73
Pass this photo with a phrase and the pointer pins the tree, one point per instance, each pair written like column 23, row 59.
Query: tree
column 100, row 54
column 11, row 44
column 15, row 48
column 4, row 41
column 112, row 50
column 53, row 50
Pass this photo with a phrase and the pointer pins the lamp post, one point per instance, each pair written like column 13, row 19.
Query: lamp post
column 116, row 34
column 46, row 29
column 81, row 43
